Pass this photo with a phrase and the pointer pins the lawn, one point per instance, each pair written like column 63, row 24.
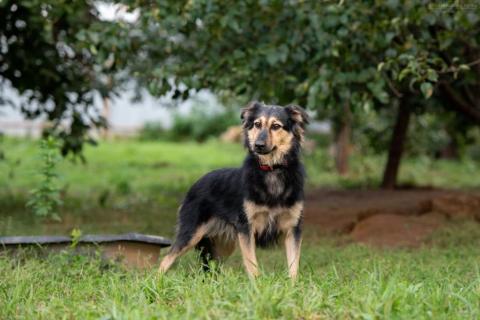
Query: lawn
column 136, row 186
column 349, row 282
column 128, row 185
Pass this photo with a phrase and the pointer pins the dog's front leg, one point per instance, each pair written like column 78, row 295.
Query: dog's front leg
column 293, row 242
column 247, row 247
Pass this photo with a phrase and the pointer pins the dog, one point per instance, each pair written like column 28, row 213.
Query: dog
column 256, row 204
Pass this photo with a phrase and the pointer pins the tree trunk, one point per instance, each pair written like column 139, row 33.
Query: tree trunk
column 397, row 145
column 342, row 144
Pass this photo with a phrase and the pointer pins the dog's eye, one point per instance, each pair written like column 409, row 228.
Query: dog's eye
column 276, row 126
column 258, row 124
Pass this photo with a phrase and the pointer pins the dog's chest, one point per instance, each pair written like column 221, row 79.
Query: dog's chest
column 275, row 183
column 263, row 217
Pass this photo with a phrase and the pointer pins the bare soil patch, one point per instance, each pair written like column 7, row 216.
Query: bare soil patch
column 389, row 218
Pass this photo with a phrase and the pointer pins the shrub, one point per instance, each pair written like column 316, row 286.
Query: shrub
column 199, row 125
column 152, row 131
column 45, row 199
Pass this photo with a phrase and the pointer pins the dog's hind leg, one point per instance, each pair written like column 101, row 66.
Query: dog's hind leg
column 214, row 248
column 184, row 242
column 205, row 246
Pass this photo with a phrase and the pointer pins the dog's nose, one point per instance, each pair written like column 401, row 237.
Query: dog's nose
column 259, row 145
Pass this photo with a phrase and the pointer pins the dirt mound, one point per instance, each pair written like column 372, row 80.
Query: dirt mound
column 399, row 218
column 393, row 230
column 232, row 134
column 458, row 206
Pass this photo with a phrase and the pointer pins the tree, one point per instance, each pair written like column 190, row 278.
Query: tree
column 58, row 55
column 275, row 51
column 433, row 64
column 336, row 59
column 341, row 60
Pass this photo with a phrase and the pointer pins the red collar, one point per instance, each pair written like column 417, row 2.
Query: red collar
column 265, row 167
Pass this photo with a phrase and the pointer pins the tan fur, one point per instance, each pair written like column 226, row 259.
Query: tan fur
column 223, row 248
column 279, row 139
column 292, row 249
column 221, row 230
column 170, row 258
column 247, row 247
column 254, row 132
column 223, row 237
column 262, row 217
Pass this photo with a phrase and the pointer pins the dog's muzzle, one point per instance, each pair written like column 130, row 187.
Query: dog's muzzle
column 261, row 148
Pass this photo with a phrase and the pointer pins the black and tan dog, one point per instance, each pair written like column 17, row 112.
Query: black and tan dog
column 255, row 204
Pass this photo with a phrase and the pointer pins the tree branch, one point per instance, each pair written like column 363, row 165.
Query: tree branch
column 395, row 91
column 459, row 103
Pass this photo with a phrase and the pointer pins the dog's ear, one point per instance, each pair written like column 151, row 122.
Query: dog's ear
column 298, row 115
column 248, row 111
column 300, row 119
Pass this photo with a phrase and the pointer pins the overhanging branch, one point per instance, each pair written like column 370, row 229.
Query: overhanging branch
column 460, row 104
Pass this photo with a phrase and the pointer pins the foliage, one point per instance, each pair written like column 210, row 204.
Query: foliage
column 152, row 131
column 58, row 55
column 337, row 58
column 199, row 125
column 10, row 164
column 45, row 199
column 317, row 54
column 328, row 56
column 433, row 134
column 76, row 235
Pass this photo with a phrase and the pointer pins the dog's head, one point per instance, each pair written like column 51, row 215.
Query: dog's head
column 271, row 132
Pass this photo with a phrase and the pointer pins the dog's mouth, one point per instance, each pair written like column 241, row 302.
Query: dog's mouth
column 265, row 152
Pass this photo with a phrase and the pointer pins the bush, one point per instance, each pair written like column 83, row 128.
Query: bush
column 199, row 125
column 45, row 199
column 152, row 131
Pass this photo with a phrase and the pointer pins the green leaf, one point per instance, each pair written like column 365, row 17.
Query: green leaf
column 427, row 89
column 432, row 75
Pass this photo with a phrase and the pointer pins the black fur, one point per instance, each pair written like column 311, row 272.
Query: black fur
column 221, row 193
column 205, row 246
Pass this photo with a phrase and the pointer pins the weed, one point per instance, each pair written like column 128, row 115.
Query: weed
column 45, row 199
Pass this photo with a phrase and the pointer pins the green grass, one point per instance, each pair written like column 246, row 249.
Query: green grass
column 127, row 166
column 136, row 186
column 123, row 186
column 348, row 282
column 130, row 185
